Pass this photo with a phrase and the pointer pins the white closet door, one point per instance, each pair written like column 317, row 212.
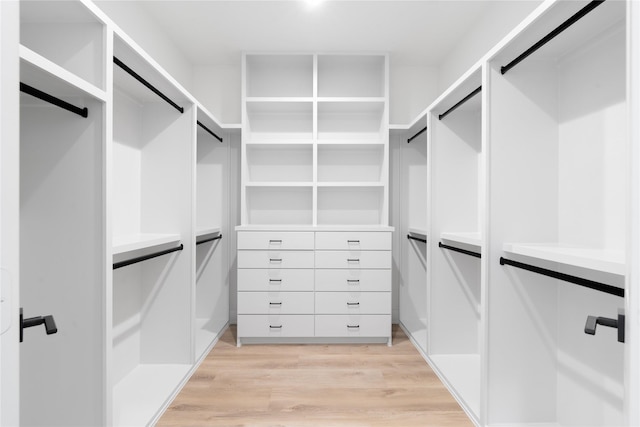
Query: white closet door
column 9, row 206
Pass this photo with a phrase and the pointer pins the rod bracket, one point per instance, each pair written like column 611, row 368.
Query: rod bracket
column 594, row 321
column 48, row 322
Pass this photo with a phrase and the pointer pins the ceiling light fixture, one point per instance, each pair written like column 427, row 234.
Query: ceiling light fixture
column 313, row 3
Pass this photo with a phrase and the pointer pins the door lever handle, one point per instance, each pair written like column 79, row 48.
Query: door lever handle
column 48, row 322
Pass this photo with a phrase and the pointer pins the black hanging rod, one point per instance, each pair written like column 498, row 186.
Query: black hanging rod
column 211, row 239
column 409, row 236
column 462, row 251
column 147, row 84
column 566, row 277
column 84, row 112
column 208, row 130
column 560, row 28
column 465, row 99
column 146, row 257
column 416, row 135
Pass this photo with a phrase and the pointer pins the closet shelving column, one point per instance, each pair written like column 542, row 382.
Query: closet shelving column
column 455, row 219
column 212, row 291
column 152, row 210
column 62, row 202
column 558, row 147
column 413, row 286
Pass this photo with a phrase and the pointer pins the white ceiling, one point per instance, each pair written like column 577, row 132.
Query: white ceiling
column 418, row 32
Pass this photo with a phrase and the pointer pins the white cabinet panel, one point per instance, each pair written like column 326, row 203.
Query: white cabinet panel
column 353, row 259
column 353, row 280
column 376, row 325
column 275, row 303
column 353, row 240
column 353, row 303
column 275, row 259
column 275, row 326
column 275, row 280
column 275, row 240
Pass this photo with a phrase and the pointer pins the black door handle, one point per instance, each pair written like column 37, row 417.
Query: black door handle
column 48, row 322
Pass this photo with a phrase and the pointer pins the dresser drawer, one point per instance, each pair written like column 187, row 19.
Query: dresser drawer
column 275, row 325
column 275, row 259
column 353, row 303
column 353, row 280
column 275, row 302
column 277, row 240
column 353, row 259
column 265, row 279
column 353, row 240
column 372, row 325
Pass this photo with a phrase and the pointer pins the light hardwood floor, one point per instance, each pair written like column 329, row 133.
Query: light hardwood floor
column 314, row 385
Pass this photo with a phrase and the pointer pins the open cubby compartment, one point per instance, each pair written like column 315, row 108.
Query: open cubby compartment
column 352, row 75
column 278, row 205
column 415, row 178
column 344, row 204
column 211, row 292
column 278, row 121
column 558, row 178
column 62, row 255
column 352, row 121
column 279, row 75
column 352, row 163
column 279, row 163
column 68, row 34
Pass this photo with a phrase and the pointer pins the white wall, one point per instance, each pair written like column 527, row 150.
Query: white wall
column 411, row 89
column 218, row 88
column 499, row 19
column 136, row 23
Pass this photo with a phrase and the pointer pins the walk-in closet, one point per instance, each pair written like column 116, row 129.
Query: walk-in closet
column 370, row 212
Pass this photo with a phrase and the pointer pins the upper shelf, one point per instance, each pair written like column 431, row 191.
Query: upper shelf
column 607, row 261
column 467, row 238
column 130, row 243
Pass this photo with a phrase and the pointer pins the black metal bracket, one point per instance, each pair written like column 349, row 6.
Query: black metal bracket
column 462, row 251
column 83, row 112
column 208, row 130
column 602, row 287
column 416, row 135
column 152, row 88
column 409, row 236
column 146, row 257
column 593, row 321
column 48, row 322
column 559, row 29
column 462, row 101
column 211, row 239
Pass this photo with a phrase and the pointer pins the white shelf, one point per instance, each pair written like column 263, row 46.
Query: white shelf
column 418, row 232
column 461, row 373
column 372, row 100
column 356, row 227
column 207, row 232
column 468, row 238
column 364, row 140
column 273, row 140
column 607, row 261
column 350, row 184
column 278, row 99
column 144, row 391
column 130, row 243
column 279, row 184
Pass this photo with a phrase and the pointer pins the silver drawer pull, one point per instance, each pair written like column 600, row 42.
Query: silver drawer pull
column 275, row 259
column 353, row 280
column 275, row 280
column 353, row 259
column 275, row 303
column 353, row 303
column 353, row 326
column 275, row 327
column 275, row 241
column 353, row 241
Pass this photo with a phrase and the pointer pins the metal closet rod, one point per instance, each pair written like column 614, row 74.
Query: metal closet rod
column 560, row 28
column 146, row 257
column 211, row 239
column 147, row 84
column 465, row 99
column 602, row 287
column 416, row 135
column 409, row 236
column 462, row 251
column 208, row 130
column 84, row 112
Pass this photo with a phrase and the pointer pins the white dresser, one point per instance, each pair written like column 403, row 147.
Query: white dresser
column 314, row 285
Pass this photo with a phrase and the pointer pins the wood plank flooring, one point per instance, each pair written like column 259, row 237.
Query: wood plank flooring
column 314, row 385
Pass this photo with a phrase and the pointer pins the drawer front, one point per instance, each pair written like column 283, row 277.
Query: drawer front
column 275, row 280
column 275, row 259
column 275, row 302
column 372, row 325
column 353, row 303
column 353, row 280
column 275, row 325
column 353, row 259
column 356, row 240
column 277, row 240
